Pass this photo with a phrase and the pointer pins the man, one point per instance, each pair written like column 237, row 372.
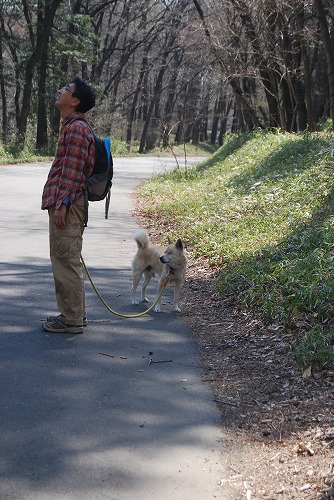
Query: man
column 63, row 197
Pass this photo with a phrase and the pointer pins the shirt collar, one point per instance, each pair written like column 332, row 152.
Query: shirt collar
column 73, row 116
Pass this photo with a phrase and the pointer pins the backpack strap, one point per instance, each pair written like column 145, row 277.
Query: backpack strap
column 108, row 147
column 107, row 205
column 86, row 205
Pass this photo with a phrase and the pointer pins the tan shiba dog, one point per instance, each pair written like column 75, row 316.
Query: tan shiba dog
column 153, row 260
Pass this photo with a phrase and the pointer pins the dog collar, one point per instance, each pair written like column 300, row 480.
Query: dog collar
column 170, row 271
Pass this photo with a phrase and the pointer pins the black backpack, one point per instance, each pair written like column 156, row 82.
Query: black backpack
column 98, row 185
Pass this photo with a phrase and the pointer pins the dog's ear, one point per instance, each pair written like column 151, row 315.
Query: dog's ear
column 169, row 240
column 179, row 244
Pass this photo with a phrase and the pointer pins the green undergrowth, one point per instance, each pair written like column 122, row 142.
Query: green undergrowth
column 11, row 154
column 261, row 210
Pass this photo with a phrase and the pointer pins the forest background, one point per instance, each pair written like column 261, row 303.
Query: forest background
column 167, row 71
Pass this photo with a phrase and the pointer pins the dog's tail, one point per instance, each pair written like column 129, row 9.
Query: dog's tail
column 141, row 238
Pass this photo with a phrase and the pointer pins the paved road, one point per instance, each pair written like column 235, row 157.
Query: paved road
column 87, row 417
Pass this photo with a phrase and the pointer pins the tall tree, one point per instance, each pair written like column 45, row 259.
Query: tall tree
column 329, row 47
column 3, row 82
column 39, row 41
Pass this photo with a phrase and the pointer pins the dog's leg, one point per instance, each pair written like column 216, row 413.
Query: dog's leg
column 135, row 282
column 147, row 279
column 177, row 291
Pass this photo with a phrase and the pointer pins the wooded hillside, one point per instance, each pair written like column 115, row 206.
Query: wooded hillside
column 167, row 70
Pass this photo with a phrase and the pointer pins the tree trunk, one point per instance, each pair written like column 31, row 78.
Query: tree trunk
column 133, row 105
column 300, row 19
column 329, row 47
column 143, row 139
column 267, row 72
column 42, row 41
column 319, row 98
column 233, row 81
column 42, row 123
column 221, row 112
column 3, row 91
column 147, row 142
column 223, row 123
column 170, row 102
column 299, row 91
column 215, row 124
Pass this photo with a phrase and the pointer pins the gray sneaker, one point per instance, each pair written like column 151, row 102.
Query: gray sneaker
column 59, row 327
column 50, row 319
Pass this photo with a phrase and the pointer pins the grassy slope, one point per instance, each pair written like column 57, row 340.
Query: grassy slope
column 261, row 209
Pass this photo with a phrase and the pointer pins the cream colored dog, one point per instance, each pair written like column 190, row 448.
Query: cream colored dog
column 151, row 260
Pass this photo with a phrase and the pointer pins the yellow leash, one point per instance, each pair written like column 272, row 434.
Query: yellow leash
column 114, row 312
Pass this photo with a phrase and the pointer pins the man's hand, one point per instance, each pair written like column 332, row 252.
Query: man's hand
column 59, row 216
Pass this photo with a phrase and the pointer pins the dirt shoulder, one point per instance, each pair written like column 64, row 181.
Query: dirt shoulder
column 278, row 426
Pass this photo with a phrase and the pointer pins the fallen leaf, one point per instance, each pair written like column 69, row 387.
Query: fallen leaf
column 307, row 372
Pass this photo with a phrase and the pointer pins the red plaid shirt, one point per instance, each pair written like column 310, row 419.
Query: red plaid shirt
column 73, row 162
